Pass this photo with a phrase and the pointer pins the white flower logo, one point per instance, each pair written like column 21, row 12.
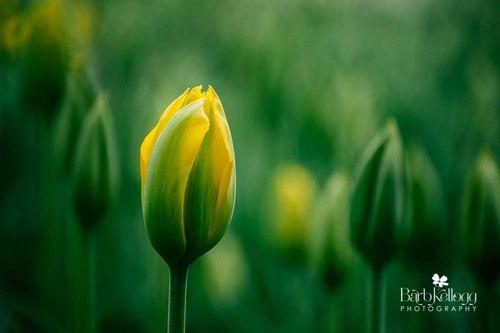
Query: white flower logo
column 439, row 281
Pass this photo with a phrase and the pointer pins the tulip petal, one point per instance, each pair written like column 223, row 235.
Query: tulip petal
column 216, row 105
column 224, row 204
column 150, row 139
column 194, row 95
column 167, row 176
column 210, row 193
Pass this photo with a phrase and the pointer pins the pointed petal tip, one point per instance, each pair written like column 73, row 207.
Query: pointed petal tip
column 392, row 127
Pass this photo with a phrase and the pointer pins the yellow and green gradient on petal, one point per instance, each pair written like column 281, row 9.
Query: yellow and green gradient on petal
column 188, row 177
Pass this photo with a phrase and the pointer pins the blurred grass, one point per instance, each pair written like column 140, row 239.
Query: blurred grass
column 301, row 81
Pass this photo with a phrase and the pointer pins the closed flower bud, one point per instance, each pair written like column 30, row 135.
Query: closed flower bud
column 94, row 168
column 332, row 255
column 188, row 177
column 293, row 192
column 377, row 196
column 481, row 219
column 79, row 98
column 424, row 223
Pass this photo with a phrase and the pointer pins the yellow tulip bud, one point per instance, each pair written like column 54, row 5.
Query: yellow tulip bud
column 188, row 177
column 293, row 191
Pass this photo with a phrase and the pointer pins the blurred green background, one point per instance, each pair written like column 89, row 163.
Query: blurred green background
column 302, row 82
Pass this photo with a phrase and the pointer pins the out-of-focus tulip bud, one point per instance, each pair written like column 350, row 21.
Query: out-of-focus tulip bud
column 332, row 254
column 44, row 59
column 80, row 96
column 188, row 177
column 95, row 168
column 292, row 197
column 377, row 198
column 481, row 219
column 84, row 23
column 14, row 33
column 226, row 270
column 424, row 223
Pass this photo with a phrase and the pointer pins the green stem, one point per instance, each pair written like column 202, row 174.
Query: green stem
column 177, row 299
column 484, row 318
column 376, row 303
column 86, row 322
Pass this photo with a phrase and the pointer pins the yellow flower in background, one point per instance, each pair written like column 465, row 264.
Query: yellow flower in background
column 293, row 191
column 188, row 177
column 85, row 20
column 85, row 15
column 226, row 270
column 14, row 34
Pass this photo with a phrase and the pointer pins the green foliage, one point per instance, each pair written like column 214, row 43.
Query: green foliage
column 310, row 81
column 425, row 223
column 332, row 253
column 377, row 198
column 94, row 170
column 481, row 219
column 79, row 99
column 44, row 59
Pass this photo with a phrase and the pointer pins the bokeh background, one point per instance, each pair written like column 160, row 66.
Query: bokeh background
column 305, row 86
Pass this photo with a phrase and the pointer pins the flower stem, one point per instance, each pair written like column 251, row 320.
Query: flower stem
column 484, row 317
column 177, row 299
column 85, row 308
column 375, row 324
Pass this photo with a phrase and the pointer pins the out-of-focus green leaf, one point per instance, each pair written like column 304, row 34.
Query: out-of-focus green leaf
column 95, row 166
column 480, row 230
column 377, row 198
